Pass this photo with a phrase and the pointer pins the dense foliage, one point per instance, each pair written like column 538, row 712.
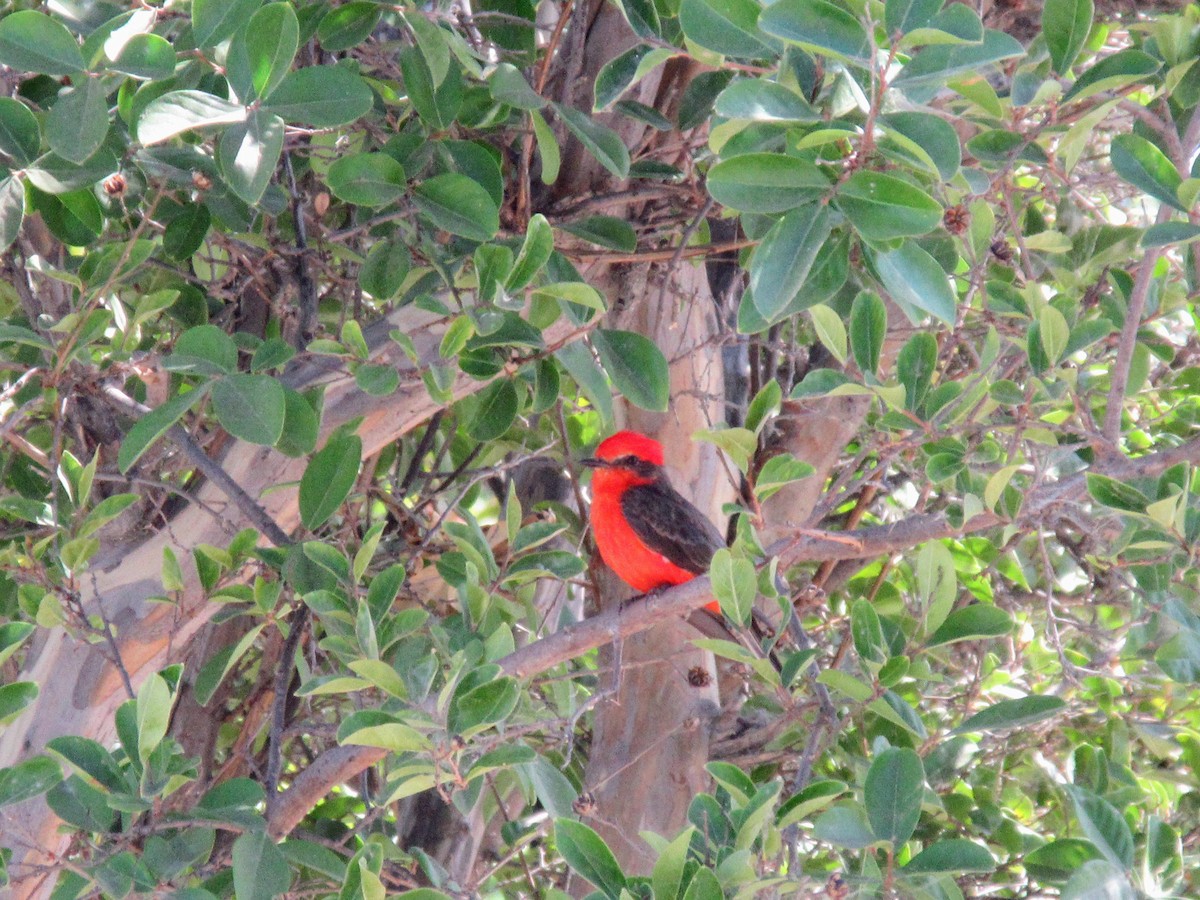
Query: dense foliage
column 297, row 292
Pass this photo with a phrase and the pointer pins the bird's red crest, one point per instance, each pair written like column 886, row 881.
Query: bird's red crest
column 630, row 443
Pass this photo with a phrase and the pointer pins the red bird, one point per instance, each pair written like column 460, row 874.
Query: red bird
column 645, row 530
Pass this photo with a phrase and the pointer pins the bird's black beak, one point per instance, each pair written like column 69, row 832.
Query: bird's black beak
column 592, row 462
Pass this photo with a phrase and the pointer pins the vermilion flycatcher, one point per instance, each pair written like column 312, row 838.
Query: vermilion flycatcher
column 645, row 530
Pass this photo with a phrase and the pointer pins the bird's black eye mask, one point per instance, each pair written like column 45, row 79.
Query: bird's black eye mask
column 642, row 467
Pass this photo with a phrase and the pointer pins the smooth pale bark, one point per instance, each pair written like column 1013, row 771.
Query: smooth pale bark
column 80, row 688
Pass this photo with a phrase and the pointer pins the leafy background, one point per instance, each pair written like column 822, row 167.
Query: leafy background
column 309, row 309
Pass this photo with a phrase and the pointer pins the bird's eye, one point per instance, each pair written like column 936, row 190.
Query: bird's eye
column 629, row 460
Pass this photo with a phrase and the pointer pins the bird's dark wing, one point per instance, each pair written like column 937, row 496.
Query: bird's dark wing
column 670, row 525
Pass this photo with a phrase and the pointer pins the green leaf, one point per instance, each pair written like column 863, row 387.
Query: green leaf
column 328, row 479
column 622, row 71
column 766, row 403
column 535, row 252
column 952, row 855
column 974, row 622
column 436, row 102
column 497, row 410
column 367, row 179
column 271, row 40
column 782, row 262
column 1099, row 878
column 260, row 870
column 1066, row 25
column 459, row 205
column 577, row 359
column 321, row 96
column 868, row 328
column 1013, row 714
column 28, row 778
column 508, row 86
column 667, row 877
column 830, row 329
column 867, row 632
column 905, row 15
column 738, row 443
column 1116, row 494
column 249, row 153
column 1058, row 859
column 587, row 854
column 33, row 42
column 605, row 231
column 214, row 671
column 386, row 268
column 766, row 182
column 547, row 147
column 844, row 825
column 78, row 122
column 215, row 20
column 916, row 282
column 348, row 26
column 1163, row 234
column 637, row 367
column 153, row 714
column 932, row 66
column 1122, row 68
column 728, row 27
column 178, row 111
column 1147, row 168
column 146, row 56
column 483, row 704
column 757, row 100
column 1054, row 333
column 1179, row 657
column 734, row 584
column 153, row 425
column 931, row 135
column 1104, row 826
column 892, row 794
column 185, row 233
column 250, row 407
column 600, row 141
column 15, row 697
column 778, row 471
column 883, row 207
column 20, row 137
column 819, row 26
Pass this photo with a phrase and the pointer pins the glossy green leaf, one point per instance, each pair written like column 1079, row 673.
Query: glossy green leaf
column 249, row 153
column 1104, row 826
column 260, row 871
column 271, row 40
column 28, row 778
column 602, row 142
column 728, row 27
column 734, row 584
column 624, row 70
column 934, row 65
column 766, row 182
column 146, row 56
column 78, row 121
column 1179, row 657
column 215, row 20
column 974, row 622
column 459, row 205
column 153, row 425
column 497, row 410
column 892, row 794
column 250, row 407
column 328, row 479
column 15, row 697
column 605, row 231
column 321, row 96
column 509, row 87
column 588, row 855
column 905, row 15
column 932, row 134
column 758, row 100
column 1163, row 234
column 868, row 329
column 179, row 111
column 535, row 252
column 367, row 179
column 1116, row 494
column 36, row 43
column 1013, row 713
column 867, row 632
column 20, row 136
column 386, row 268
column 952, row 855
column 637, row 367
column 348, row 26
column 883, row 207
column 1147, row 168
column 1124, row 67
column 1066, row 25
column 782, row 262
column 916, row 282
column 818, row 25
